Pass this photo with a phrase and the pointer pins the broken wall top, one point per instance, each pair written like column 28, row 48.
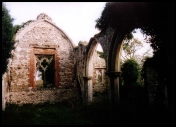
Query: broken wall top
column 39, row 31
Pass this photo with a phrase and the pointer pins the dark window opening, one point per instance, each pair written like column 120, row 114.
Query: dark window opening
column 44, row 71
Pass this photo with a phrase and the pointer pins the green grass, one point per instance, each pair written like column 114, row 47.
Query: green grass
column 43, row 114
column 128, row 113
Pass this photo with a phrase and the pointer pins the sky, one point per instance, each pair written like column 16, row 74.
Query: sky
column 76, row 19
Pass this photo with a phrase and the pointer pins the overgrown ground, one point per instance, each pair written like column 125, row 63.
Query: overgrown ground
column 127, row 113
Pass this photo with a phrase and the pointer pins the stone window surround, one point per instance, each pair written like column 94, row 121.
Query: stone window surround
column 43, row 51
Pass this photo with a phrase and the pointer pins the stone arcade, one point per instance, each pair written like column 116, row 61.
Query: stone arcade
column 47, row 67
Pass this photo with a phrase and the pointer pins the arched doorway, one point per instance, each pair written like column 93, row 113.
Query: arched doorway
column 95, row 69
column 114, row 69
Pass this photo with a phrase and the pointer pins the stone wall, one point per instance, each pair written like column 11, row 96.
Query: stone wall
column 43, row 36
column 80, row 55
column 38, row 96
column 105, row 38
column 157, row 90
column 40, row 35
column 5, row 89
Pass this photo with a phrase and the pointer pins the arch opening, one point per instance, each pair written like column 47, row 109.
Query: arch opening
column 136, row 49
column 96, row 69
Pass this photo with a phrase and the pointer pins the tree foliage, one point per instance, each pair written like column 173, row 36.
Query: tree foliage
column 154, row 18
column 17, row 27
column 130, row 71
column 101, row 54
column 8, row 32
column 130, row 76
column 7, row 37
column 130, row 51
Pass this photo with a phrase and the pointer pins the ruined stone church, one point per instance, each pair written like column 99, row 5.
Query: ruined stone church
column 47, row 67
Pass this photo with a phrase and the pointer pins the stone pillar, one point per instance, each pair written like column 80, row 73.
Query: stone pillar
column 114, row 89
column 102, row 73
column 3, row 91
column 88, row 89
